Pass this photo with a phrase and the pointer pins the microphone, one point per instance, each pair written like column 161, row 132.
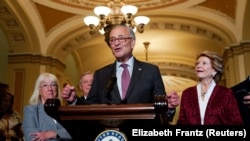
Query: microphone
column 109, row 88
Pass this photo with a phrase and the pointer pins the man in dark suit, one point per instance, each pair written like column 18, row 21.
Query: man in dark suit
column 145, row 81
column 242, row 94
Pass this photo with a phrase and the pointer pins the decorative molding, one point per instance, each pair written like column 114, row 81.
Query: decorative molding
column 10, row 24
column 193, row 29
column 86, row 36
column 36, row 58
column 216, row 12
column 142, row 4
column 16, row 38
column 176, row 69
column 236, row 49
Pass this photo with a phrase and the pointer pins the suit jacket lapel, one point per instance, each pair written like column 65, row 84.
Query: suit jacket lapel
column 136, row 74
column 116, row 93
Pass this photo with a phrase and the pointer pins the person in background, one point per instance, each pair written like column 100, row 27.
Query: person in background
column 37, row 125
column 145, row 78
column 10, row 120
column 208, row 103
column 4, row 87
column 242, row 93
column 85, row 83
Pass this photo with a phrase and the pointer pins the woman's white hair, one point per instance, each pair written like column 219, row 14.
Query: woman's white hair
column 36, row 97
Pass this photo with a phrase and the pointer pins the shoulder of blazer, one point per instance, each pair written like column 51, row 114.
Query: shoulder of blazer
column 31, row 108
column 242, row 85
column 222, row 89
column 141, row 63
column 107, row 67
column 190, row 89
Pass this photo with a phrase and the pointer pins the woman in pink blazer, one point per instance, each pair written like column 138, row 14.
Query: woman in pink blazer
column 208, row 103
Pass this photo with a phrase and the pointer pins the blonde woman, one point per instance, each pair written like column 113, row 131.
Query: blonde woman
column 209, row 103
column 37, row 125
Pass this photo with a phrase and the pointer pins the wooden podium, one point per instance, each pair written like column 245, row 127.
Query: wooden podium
column 85, row 122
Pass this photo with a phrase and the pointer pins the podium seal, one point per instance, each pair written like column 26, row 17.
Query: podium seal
column 111, row 135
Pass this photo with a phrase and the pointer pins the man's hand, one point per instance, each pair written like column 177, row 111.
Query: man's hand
column 69, row 93
column 173, row 99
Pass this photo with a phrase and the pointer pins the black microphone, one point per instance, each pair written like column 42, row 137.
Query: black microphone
column 109, row 88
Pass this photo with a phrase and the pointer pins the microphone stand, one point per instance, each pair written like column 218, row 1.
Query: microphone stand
column 109, row 88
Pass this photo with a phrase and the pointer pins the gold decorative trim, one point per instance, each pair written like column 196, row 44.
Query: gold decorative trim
column 36, row 58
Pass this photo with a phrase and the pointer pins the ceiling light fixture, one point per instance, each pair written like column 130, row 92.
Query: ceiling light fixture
column 116, row 12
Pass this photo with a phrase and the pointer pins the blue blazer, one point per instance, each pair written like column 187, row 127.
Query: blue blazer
column 146, row 81
column 35, row 119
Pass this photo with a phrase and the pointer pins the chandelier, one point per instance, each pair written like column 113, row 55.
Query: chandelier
column 116, row 12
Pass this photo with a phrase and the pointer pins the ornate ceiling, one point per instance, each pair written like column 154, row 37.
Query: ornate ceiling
column 178, row 30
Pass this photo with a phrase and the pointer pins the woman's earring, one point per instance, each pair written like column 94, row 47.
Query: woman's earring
column 214, row 74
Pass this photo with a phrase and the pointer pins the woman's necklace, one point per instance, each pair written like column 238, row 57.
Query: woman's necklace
column 204, row 91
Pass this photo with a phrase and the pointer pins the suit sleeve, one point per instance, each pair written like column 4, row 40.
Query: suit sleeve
column 158, row 83
column 29, row 122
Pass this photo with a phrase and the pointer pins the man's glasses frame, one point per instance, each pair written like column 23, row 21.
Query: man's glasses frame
column 120, row 40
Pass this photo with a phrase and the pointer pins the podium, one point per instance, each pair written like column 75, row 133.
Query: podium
column 85, row 122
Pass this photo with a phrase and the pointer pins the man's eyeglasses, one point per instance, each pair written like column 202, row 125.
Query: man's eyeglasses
column 120, row 40
column 52, row 85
